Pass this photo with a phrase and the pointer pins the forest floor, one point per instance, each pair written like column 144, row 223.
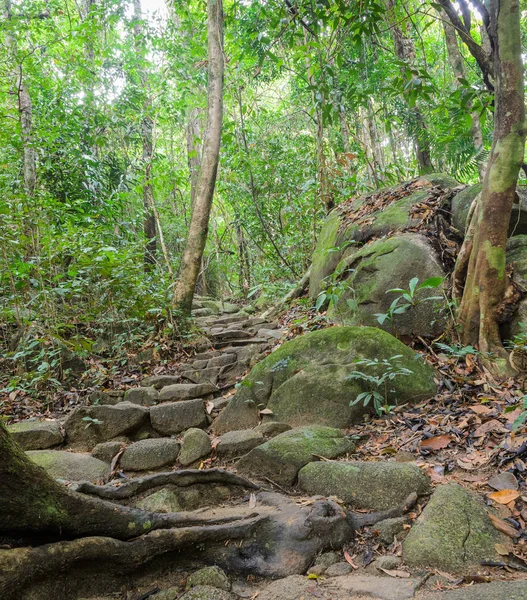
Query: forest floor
column 464, row 434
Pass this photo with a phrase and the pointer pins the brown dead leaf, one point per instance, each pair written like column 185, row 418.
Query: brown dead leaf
column 349, row 560
column 493, row 426
column 480, row 409
column 266, row 411
column 504, row 496
column 395, row 573
column 209, row 406
column 501, row 549
column 437, row 443
column 502, row 526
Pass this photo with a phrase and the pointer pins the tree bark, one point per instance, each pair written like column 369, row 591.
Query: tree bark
column 199, row 222
column 482, row 257
column 194, row 133
column 147, row 129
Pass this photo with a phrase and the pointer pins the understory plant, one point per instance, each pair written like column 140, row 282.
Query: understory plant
column 381, row 373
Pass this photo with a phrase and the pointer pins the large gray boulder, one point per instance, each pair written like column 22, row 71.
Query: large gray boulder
column 195, row 445
column 453, row 532
column 364, row 485
column 174, row 417
column 71, row 466
column 236, row 443
column 149, row 454
column 87, row 426
column 185, row 391
column 36, row 434
column 384, row 264
column 308, row 380
column 283, row 456
column 351, row 222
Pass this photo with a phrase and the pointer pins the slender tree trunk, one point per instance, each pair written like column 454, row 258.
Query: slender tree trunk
column 480, row 270
column 25, row 112
column 456, row 62
column 376, row 151
column 405, row 52
column 194, row 133
column 344, row 131
column 199, row 223
column 147, row 129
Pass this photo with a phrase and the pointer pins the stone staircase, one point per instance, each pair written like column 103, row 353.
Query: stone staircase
column 162, row 423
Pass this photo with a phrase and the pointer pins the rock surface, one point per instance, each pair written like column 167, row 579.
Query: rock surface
column 174, row 417
column 36, row 434
column 454, row 531
column 105, row 451
column 497, row 590
column 195, row 445
column 364, row 485
column 71, row 466
column 211, row 576
column 237, row 443
column 149, row 454
column 165, row 500
column 185, row 391
column 146, row 396
column 86, row 426
column 306, row 381
column 283, row 456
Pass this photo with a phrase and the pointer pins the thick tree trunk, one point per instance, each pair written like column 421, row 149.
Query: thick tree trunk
column 199, row 223
column 456, row 62
column 147, row 130
column 482, row 257
column 405, row 52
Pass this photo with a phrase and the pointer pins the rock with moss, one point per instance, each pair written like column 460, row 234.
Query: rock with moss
column 165, row 500
column 453, row 532
column 174, row 417
column 236, row 443
column 496, row 590
column 146, row 455
column 461, row 205
column 71, row 466
column 106, row 451
column 517, row 259
column 384, row 264
column 338, row 237
column 87, row 426
column 313, row 379
column 145, row 396
column 36, row 434
column 206, row 592
column 195, row 445
column 364, row 485
column 211, row 576
column 283, row 456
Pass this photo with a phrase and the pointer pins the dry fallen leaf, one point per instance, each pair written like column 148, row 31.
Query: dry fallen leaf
column 266, row 411
column 209, row 406
column 436, row 443
column 395, row 573
column 349, row 560
column 504, row 527
column 501, row 549
column 503, row 481
column 252, row 500
column 493, row 426
column 504, row 496
column 481, row 409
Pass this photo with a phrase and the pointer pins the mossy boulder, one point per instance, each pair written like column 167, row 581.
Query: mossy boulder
column 211, row 576
column 307, row 380
column 206, row 592
column 462, row 201
column 517, row 257
column 195, row 445
column 384, row 264
column 71, row 466
column 151, row 454
column 283, row 456
column 36, row 434
column 364, row 485
column 338, row 238
column 453, row 532
column 165, row 500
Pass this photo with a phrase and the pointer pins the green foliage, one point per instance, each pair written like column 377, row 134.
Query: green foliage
column 381, row 373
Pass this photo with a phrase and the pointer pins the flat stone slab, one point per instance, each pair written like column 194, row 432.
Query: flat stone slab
column 497, row 590
column 186, row 391
column 237, row 443
column 298, row 587
column 174, row 417
column 36, row 434
column 145, row 396
column 160, row 381
column 149, row 454
column 86, row 426
column 364, row 485
column 71, row 466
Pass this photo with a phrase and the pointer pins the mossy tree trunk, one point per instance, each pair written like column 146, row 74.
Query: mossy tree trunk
column 199, row 222
column 480, row 273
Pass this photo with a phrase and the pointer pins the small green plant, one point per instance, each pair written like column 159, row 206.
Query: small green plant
column 456, row 350
column 521, row 419
column 408, row 298
column 383, row 372
column 91, row 421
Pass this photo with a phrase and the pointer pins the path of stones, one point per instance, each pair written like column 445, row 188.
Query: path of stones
column 161, row 426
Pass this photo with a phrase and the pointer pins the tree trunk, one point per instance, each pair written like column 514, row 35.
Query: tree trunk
column 194, row 133
column 199, row 222
column 456, row 62
column 482, row 257
column 147, row 129
column 25, row 112
column 405, row 52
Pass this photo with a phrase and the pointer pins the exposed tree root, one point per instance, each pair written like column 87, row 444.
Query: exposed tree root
column 37, row 572
column 363, row 520
column 183, row 478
